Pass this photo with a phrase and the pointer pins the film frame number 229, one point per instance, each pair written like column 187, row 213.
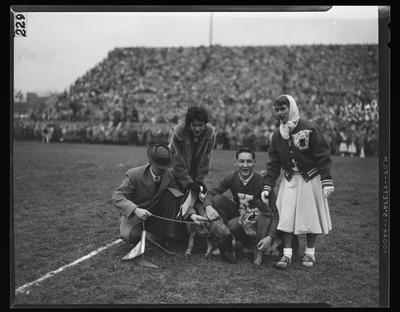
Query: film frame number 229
column 20, row 25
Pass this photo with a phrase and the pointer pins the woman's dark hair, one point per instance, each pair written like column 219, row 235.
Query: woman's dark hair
column 196, row 113
column 245, row 149
column 282, row 100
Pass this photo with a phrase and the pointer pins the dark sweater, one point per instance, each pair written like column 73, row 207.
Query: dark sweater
column 244, row 193
column 231, row 181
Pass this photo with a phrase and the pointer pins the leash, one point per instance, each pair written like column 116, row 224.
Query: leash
column 173, row 220
column 167, row 251
column 167, row 219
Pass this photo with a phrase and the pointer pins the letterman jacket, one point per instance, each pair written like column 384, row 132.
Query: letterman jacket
column 306, row 148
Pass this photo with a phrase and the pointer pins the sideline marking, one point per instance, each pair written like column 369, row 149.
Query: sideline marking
column 23, row 289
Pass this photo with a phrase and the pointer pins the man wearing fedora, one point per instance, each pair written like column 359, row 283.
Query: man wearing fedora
column 151, row 190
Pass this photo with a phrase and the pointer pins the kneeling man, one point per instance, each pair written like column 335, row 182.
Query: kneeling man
column 147, row 190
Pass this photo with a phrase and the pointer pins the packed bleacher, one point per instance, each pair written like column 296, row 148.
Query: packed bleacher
column 137, row 95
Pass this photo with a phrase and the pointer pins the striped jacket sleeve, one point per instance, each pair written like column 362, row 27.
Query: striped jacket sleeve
column 321, row 152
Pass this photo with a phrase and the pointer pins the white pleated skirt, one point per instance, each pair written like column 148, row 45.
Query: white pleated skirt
column 343, row 147
column 352, row 148
column 302, row 206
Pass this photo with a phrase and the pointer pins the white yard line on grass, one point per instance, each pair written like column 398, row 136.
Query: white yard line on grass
column 24, row 289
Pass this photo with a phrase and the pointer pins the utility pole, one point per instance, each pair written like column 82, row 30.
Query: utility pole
column 211, row 28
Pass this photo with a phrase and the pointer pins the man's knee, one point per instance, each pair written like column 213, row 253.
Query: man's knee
column 225, row 207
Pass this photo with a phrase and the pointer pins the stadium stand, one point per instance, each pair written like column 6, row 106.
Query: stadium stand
column 137, row 95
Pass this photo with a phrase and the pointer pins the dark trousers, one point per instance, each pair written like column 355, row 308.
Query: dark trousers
column 167, row 207
column 229, row 212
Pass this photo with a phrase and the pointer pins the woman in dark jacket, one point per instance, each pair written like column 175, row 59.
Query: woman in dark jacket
column 299, row 148
column 192, row 143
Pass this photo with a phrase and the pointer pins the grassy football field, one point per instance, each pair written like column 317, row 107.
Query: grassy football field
column 61, row 212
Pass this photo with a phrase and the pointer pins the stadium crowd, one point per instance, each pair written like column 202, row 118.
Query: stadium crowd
column 137, row 95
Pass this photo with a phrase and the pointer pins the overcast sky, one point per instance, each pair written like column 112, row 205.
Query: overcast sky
column 60, row 47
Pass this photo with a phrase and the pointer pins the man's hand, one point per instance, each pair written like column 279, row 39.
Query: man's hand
column 198, row 219
column 328, row 190
column 265, row 197
column 142, row 213
column 211, row 213
column 265, row 243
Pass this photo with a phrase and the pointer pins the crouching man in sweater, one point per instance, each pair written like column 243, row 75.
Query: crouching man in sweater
column 251, row 221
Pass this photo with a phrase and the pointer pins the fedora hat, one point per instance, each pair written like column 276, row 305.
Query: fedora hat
column 160, row 156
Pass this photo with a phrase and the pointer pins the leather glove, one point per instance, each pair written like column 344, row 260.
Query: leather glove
column 199, row 183
column 328, row 190
column 194, row 187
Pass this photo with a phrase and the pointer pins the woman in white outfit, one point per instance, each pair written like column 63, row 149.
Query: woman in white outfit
column 300, row 149
column 343, row 144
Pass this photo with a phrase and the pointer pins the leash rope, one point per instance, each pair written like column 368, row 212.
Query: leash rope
column 170, row 252
column 173, row 220
column 167, row 219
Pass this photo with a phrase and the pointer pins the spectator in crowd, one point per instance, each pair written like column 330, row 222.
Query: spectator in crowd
column 361, row 142
column 47, row 132
column 220, row 139
column 37, row 132
column 372, row 142
column 152, row 86
column 299, row 148
column 343, row 149
column 150, row 190
column 352, row 149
